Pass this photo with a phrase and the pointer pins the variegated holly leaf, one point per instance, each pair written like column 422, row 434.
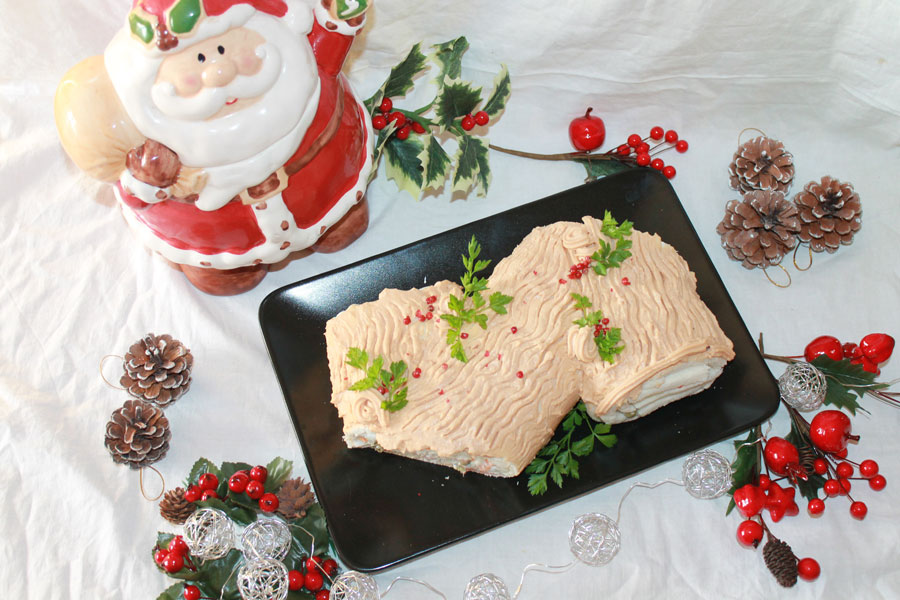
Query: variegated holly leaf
column 472, row 165
column 403, row 164
column 601, row 168
column 448, row 57
column 455, row 99
column 401, row 78
column 435, row 164
column 497, row 100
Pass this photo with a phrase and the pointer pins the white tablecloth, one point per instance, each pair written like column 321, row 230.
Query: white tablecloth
column 75, row 284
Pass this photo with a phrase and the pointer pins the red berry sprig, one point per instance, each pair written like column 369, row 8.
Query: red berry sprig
column 643, row 154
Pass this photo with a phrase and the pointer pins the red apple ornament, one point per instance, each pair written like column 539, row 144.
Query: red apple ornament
column 588, row 132
column 824, row 345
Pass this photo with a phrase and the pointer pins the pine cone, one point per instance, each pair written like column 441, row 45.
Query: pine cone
column 138, row 434
column 781, row 561
column 294, row 497
column 761, row 164
column 157, row 369
column 829, row 214
column 174, row 508
column 760, row 229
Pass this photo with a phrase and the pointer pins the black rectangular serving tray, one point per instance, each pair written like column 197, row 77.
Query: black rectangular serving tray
column 383, row 509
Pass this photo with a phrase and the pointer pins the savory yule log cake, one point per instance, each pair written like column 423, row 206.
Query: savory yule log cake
column 569, row 314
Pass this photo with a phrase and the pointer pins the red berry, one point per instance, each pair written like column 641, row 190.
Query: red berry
column 845, row 470
column 868, row 468
column 779, row 453
column 397, row 118
column 191, row 592
column 829, row 431
column 178, row 545
column 681, row 146
column 657, row 163
column 313, row 564
column 467, row 123
column 878, row 483
column 671, row 136
column 642, row 159
column 379, row 122
column 808, row 569
column 749, row 533
column 330, row 567
column 750, row 500
column 173, row 563
column 816, row 506
column 237, row 483
column 403, row 132
column 634, row 140
column 417, row 127
column 845, row 486
column 831, row 487
column 207, row 494
column 820, row 466
column 877, row 347
column 851, row 351
column 482, row 118
column 295, row 579
column 268, row 502
column 824, row 345
column 314, row 581
column 386, row 105
column 192, row 494
column 858, row 510
column 669, row 171
column 160, row 555
column 513, row 329
column 642, row 148
column 417, row 372
column 323, row 595
column 255, row 489
column 657, row 133
column 764, row 482
column 623, row 150
column 520, row 374
column 207, row 481
column 259, row 473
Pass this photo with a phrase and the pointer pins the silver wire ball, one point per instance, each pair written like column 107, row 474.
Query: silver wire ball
column 266, row 538
column 594, row 539
column 263, row 579
column 209, row 533
column 486, row 586
column 802, row 386
column 353, row 585
column 706, row 474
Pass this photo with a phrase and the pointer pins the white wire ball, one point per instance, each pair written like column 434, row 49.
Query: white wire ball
column 353, row 585
column 263, row 579
column 209, row 533
column 486, row 586
column 594, row 539
column 802, row 386
column 266, row 538
column 706, row 474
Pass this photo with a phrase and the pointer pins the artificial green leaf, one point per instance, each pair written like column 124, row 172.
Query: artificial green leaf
column 497, row 100
column 173, row 592
column 435, row 164
column 201, row 466
column 747, row 461
column 448, row 57
column 400, row 80
column 403, row 165
column 238, row 514
column 279, row 470
column 472, row 166
column 455, row 99
column 601, row 168
column 225, row 472
column 844, row 379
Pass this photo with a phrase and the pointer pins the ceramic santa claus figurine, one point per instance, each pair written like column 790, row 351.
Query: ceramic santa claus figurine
column 230, row 134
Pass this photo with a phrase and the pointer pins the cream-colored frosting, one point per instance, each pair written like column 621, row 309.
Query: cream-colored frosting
column 493, row 413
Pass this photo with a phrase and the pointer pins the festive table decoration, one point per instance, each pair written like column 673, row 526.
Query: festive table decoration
column 157, row 369
column 175, row 508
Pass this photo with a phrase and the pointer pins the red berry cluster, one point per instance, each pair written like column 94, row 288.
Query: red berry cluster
column 174, row 557
column 468, row 122
column 643, row 154
column 405, row 124
column 250, row 482
column 313, row 575
column 872, row 350
column 204, row 489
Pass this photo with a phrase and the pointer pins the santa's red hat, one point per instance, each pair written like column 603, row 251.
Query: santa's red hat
column 160, row 22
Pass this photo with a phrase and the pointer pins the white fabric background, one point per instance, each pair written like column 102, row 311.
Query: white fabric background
column 75, row 285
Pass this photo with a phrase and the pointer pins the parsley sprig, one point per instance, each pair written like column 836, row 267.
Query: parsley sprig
column 559, row 458
column 475, row 312
column 390, row 383
column 607, row 339
column 609, row 256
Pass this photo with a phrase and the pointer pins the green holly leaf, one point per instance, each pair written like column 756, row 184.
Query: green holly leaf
column 400, row 80
column 307, row 534
column 279, row 470
column 173, row 592
column 473, row 166
column 448, row 57
column 435, row 164
column 747, row 461
column 601, row 168
column 201, row 466
column 455, row 99
column 238, row 514
column 844, row 380
column 403, row 165
column 225, row 472
column 497, row 100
